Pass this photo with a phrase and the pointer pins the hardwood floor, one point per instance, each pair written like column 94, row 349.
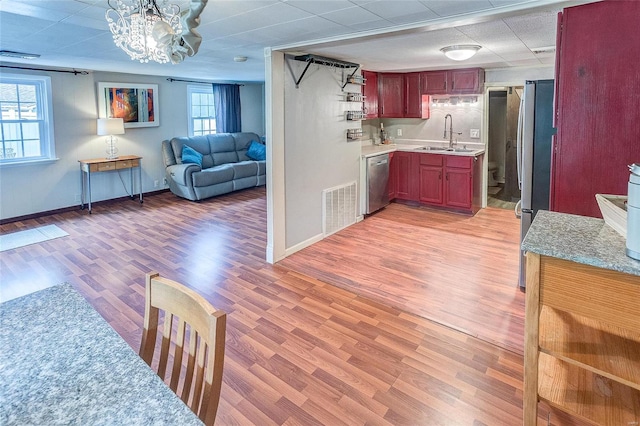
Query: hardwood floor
column 300, row 351
column 457, row 270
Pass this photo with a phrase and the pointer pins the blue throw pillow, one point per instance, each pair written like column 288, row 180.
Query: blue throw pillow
column 190, row 155
column 257, row 151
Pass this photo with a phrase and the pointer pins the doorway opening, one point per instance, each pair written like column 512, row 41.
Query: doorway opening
column 503, row 190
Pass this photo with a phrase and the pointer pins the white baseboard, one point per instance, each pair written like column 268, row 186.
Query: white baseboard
column 303, row 244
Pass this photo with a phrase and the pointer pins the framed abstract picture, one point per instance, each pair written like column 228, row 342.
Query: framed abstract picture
column 136, row 104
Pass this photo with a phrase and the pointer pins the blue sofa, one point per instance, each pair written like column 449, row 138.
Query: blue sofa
column 225, row 165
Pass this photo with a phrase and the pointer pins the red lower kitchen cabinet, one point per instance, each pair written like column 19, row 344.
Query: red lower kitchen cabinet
column 393, row 176
column 458, row 182
column 406, row 175
column 430, row 184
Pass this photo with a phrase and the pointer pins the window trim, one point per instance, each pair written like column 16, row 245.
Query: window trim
column 191, row 89
column 45, row 101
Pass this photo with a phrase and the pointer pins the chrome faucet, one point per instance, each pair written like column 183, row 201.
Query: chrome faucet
column 450, row 129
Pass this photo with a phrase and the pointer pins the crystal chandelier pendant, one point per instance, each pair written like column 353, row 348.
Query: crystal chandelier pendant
column 145, row 29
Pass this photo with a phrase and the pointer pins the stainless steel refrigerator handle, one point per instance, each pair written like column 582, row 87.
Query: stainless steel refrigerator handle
column 518, row 209
column 519, row 143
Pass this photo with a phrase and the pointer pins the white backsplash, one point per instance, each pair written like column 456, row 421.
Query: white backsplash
column 465, row 118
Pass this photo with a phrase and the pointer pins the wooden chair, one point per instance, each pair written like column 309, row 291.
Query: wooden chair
column 202, row 378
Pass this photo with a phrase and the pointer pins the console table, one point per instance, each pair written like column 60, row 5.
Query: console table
column 107, row 165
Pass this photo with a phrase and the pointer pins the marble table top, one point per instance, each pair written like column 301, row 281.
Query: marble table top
column 581, row 239
column 61, row 363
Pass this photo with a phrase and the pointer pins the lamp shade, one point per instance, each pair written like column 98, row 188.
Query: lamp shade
column 110, row 126
column 460, row 52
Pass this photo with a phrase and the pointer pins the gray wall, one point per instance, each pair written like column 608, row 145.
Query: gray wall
column 317, row 154
column 28, row 189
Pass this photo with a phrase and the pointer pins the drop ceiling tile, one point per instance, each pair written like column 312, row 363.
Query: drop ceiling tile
column 319, row 7
column 398, row 8
column 535, row 30
column 17, row 27
column 458, row 7
column 352, row 16
column 216, row 10
column 32, row 9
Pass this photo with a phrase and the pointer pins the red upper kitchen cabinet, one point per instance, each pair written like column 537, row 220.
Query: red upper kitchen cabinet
column 391, row 95
column 597, row 104
column 466, row 81
column 412, row 95
column 370, row 92
column 434, row 82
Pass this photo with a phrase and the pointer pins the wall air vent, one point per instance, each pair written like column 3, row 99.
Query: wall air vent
column 339, row 206
column 21, row 55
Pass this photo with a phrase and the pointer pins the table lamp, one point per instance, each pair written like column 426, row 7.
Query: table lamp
column 109, row 127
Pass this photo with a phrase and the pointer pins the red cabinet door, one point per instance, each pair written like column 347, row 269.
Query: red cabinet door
column 597, row 118
column 431, row 185
column 466, row 81
column 407, row 174
column 393, row 176
column 412, row 95
column 434, row 82
column 370, row 92
column 391, row 95
column 458, row 188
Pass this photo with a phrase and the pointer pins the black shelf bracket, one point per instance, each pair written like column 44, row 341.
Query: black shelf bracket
column 322, row 60
column 346, row 81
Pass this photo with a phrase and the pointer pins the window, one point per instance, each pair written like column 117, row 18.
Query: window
column 26, row 124
column 202, row 120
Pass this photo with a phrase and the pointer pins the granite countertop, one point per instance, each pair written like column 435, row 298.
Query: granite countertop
column 580, row 239
column 417, row 146
column 61, row 363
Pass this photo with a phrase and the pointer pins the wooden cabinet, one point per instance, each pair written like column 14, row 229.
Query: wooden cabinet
column 434, row 82
column 582, row 341
column 406, row 177
column 391, row 95
column 458, row 183
column 453, row 82
column 597, row 109
column 430, row 184
column 412, row 95
column 393, row 176
column 370, row 92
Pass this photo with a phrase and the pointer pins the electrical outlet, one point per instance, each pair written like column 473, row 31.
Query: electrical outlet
column 156, row 183
column 474, row 134
column 399, row 132
column 164, row 181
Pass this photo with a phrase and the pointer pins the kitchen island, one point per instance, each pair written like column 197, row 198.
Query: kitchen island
column 61, row 363
column 582, row 328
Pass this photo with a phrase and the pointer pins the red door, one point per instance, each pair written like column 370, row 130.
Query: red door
column 405, row 176
column 370, row 92
column 597, row 117
column 434, row 82
column 391, row 95
column 431, row 185
column 412, row 95
column 393, row 176
column 458, row 188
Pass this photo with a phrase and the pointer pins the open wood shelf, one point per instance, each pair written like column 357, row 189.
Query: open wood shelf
column 605, row 350
column 586, row 395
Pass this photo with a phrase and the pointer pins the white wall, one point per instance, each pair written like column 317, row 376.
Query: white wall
column 317, row 154
column 29, row 189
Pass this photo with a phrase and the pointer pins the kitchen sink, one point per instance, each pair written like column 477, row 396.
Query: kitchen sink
column 463, row 150
column 432, row 148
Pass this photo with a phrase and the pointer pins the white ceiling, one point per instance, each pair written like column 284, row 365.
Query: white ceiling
column 382, row 35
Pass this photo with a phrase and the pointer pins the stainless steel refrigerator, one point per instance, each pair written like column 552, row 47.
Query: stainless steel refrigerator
column 534, row 142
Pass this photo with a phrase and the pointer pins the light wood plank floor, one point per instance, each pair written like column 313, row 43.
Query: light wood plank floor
column 300, row 351
column 455, row 269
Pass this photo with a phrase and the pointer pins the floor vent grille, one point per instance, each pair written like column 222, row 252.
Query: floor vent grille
column 339, row 206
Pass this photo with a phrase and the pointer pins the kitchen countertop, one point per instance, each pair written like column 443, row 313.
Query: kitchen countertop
column 61, row 363
column 372, row 150
column 579, row 239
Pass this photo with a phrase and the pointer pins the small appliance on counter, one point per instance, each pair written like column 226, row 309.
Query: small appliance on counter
column 633, row 213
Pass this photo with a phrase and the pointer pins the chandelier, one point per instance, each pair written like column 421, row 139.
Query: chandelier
column 145, row 29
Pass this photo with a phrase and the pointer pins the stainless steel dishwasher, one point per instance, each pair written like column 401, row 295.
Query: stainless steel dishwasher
column 377, row 182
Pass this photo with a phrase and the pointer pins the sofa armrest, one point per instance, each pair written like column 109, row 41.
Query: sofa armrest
column 181, row 173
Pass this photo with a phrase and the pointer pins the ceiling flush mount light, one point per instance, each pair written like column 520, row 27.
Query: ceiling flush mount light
column 240, row 58
column 20, row 55
column 145, row 29
column 460, row 52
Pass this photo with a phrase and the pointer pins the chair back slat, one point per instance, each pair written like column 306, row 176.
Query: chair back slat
column 200, row 331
